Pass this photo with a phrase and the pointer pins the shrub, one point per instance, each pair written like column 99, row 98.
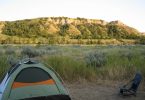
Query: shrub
column 96, row 59
column 10, row 50
column 129, row 55
column 31, row 51
column 1, row 52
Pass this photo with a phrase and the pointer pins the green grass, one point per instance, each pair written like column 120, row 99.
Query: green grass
column 121, row 62
column 70, row 69
column 3, row 64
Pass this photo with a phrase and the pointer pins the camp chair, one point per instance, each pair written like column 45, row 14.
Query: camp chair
column 131, row 87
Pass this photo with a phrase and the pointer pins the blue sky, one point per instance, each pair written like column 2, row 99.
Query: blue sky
column 130, row 12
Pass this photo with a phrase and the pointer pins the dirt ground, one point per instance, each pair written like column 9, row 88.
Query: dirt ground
column 92, row 91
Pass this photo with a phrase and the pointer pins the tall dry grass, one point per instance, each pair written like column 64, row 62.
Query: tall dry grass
column 92, row 63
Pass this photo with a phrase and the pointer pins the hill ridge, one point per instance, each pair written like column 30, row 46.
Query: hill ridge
column 65, row 27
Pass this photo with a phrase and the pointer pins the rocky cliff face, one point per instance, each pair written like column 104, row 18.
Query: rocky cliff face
column 143, row 33
column 117, row 22
column 75, row 21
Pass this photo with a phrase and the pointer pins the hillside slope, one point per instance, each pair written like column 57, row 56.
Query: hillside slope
column 72, row 28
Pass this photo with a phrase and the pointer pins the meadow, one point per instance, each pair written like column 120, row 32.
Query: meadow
column 81, row 62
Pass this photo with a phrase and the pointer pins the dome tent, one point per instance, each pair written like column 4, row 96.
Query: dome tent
column 30, row 80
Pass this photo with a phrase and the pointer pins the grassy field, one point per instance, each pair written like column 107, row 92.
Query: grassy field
column 76, row 62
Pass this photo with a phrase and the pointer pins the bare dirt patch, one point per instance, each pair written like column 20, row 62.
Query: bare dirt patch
column 92, row 91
